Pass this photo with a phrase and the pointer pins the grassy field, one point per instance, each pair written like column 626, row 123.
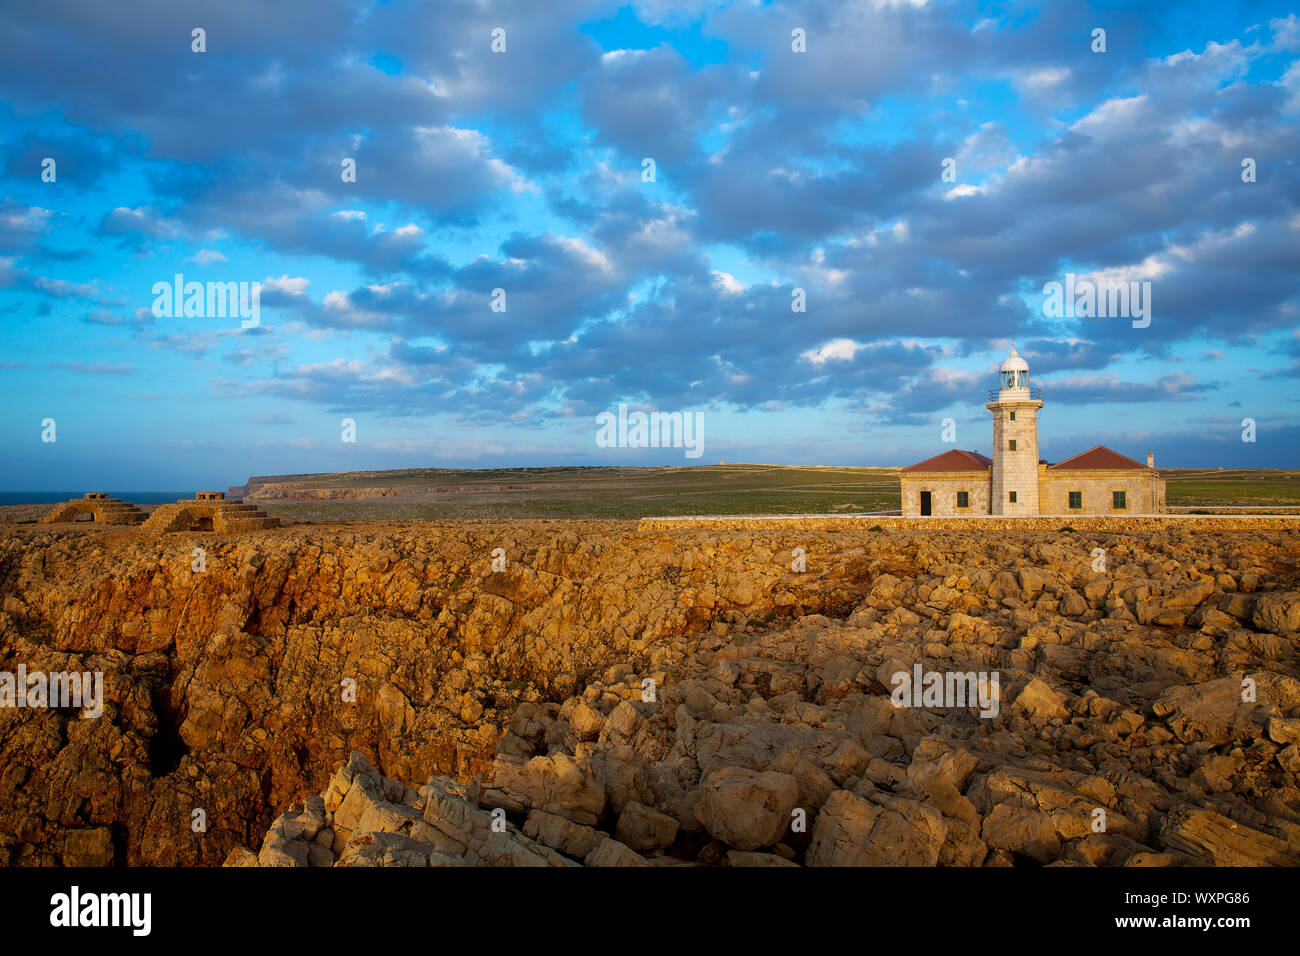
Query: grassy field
column 1249, row 488
column 604, row 492
column 703, row 490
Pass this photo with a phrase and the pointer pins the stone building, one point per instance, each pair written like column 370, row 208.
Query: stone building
column 1015, row 481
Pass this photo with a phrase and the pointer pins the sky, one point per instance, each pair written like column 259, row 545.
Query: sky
column 473, row 227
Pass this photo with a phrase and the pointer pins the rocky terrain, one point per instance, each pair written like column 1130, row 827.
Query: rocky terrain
column 381, row 695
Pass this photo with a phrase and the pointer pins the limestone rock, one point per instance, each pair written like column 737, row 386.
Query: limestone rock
column 1278, row 612
column 1039, row 702
column 643, row 828
column 612, row 853
column 611, row 683
column 851, row 831
column 745, row 809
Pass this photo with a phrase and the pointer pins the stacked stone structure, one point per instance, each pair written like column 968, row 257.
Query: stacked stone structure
column 209, row 511
column 99, row 506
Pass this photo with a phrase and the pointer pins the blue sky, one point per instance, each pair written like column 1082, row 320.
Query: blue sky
column 522, row 170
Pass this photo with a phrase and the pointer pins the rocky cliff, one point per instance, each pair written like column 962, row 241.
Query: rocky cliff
column 618, row 696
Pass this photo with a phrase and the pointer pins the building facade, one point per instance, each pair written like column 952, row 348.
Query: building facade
column 1015, row 481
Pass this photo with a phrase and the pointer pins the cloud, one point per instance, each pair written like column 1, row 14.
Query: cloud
column 141, row 317
column 837, row 350
column 1094, row 389
column 14, row 276
column 285, row 292
column 1286, row 33
column 141, row 220
column 776, row 171
column 94, row 369
column 22, row 225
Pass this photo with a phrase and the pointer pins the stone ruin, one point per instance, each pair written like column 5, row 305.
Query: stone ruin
column 99, row 506
column 208, row 511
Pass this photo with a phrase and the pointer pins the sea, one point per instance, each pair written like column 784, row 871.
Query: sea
column 54, row 497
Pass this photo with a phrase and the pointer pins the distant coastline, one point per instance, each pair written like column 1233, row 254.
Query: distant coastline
column 54, row 497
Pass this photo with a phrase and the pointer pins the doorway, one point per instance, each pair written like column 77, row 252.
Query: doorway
column 925, row 503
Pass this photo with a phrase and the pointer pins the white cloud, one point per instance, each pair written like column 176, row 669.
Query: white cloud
column 727, row 282
column 836, row 350
column 31, row 219
column 1152, row 267
column 443, row 145
column 142, row 219
column 1044, row 79
column 1286, row 33
column 295, row 286
column 580, row 250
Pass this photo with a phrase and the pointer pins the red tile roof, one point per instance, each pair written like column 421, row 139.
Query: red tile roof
column 1099, row 457
column 954, row 460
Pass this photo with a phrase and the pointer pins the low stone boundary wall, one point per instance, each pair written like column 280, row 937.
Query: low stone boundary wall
column 1231, row 509
column 1110, row 523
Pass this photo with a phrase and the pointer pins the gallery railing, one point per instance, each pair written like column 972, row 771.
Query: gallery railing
column 1035, row 393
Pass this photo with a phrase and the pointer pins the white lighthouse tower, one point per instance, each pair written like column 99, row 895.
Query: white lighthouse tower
column 1015, row 406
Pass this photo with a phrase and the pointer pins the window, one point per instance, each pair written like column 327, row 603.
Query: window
column 1013, row 417
column 1119, row 499
column 1076, row 499
column 1012, row 444
column 963, row 499
column 1012, row 499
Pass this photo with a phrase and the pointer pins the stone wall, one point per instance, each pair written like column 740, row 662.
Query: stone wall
column 1112, row 523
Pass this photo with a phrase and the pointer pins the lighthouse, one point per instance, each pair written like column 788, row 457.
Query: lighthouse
column 1014, row 404
column 1099, row 481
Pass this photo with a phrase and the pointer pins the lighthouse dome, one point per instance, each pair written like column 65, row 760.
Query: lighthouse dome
column 1014, row 363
